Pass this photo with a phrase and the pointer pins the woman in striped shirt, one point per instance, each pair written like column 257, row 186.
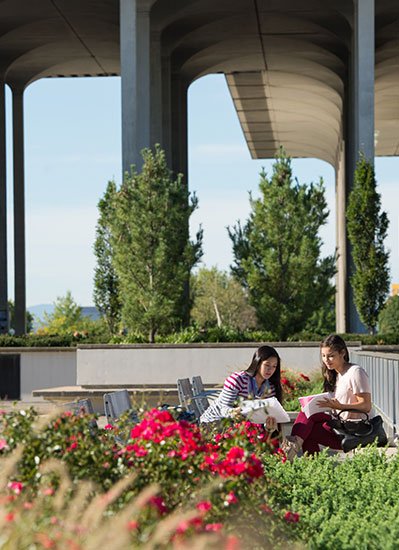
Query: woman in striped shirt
column 260, row 380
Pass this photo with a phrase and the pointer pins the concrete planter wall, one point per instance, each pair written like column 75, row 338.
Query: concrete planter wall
column 146, row 365
column 141, row 365
column 44, row 368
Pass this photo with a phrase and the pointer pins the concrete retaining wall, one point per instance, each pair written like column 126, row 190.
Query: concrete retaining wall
column 162, row 365
column 146, row 365
column 44, row 368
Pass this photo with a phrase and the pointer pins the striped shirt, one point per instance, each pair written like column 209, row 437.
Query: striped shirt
column 237, row 385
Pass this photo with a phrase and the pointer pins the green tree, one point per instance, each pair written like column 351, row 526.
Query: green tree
column 277, row 251
column 106, row 282
column 219, row 300
column 66, row 317
column 29, row 317
column 388, row 319
column 367, row 229
column 153, row 255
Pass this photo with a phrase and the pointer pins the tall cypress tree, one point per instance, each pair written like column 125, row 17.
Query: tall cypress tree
column 367, row 229
column 277, row 251
column 153, row 255
column 106, row 281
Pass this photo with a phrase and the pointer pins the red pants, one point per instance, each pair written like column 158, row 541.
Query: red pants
column 315, row 431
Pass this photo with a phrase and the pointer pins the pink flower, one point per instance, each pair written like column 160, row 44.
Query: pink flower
column 231, row 498
column 132, row 525
column 9, row 517
column 28, row 505
column 16, row 487
column 3, row 444
column 215, row 527
column 291, row 517
column 232, row 543
column 48, row 491
column 109, row 427
column 204, row 506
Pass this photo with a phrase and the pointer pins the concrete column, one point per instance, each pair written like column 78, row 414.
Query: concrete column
column 179, row 126
column 4, row 319
column 19, row 212
column 156, row 90
column 360, row 118
column 166, row 107
column 341, row 275
column 135, row 75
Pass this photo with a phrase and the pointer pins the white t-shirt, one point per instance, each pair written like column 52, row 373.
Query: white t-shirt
column 354, row 381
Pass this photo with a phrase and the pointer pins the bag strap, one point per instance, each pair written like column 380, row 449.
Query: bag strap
column 355, row 411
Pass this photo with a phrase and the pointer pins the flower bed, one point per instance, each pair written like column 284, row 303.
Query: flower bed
column 65, row 484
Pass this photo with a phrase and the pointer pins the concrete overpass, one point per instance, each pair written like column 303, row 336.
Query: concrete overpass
column 319, row 78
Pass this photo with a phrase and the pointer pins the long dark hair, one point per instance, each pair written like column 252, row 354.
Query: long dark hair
column 336, row 343
column 260, row 355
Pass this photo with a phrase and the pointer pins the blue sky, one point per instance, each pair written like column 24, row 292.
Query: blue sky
column 73, row 147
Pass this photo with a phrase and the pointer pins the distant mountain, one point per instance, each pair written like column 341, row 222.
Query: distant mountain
column 39, row 310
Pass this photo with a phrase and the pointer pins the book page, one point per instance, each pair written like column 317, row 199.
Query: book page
column 258, row 410
column 309, row 403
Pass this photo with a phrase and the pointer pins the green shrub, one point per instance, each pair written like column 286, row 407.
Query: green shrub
column 342, row 504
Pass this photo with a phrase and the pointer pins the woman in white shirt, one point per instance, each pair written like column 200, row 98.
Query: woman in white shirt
column 350, row 389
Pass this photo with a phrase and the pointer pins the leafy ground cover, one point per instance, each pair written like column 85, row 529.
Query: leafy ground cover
column 65, row 484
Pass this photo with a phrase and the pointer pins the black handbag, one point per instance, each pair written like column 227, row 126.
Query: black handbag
column 358, row 432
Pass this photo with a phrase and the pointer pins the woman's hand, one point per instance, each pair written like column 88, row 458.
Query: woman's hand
column 330, row 402
column 271, row 424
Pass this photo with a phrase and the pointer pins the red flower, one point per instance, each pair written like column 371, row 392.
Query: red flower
column 265, row 508
column 159, row 503
column 204, row 506
column 132, row 525
column 16, row 487
column 304, row 377
column 232, row 543
column 9, row 517
column 215, row 527
column 291, row 517
column 109, row 427
column 231, row 498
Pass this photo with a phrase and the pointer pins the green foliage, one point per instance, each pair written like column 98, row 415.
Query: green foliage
column 106, row 282
column 67, row 321
column 342, row 504
column 153, row 255
column 29, row 317
column 367, row 229
column 219, row 300
column 388, row 319
column 277, row 252
column 66, row 317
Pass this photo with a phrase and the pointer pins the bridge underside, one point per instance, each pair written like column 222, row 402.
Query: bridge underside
column 319, row 78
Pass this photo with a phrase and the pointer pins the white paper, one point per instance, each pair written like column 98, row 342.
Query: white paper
column 258, row 410
column 312, row 406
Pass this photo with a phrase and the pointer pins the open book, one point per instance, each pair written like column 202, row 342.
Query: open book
column 309, row 403
column 257, row 410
